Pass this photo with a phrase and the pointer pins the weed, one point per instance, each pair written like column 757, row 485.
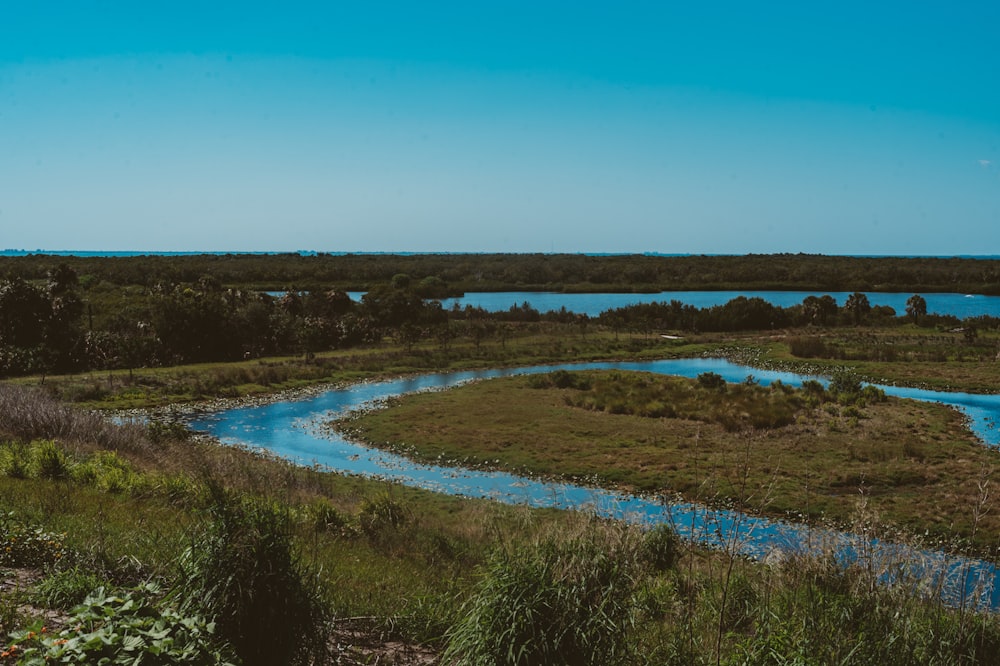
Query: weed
column 661, row 547
column 14, row 461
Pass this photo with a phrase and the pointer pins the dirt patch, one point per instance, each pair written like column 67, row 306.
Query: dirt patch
column 356, row 643
column 19, row 580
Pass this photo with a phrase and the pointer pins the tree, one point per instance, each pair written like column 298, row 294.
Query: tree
column 857, row 306
column 916, row 307
column 819, row 309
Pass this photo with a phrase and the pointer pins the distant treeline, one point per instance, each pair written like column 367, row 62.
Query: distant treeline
column 453, row 274
column 60, row 324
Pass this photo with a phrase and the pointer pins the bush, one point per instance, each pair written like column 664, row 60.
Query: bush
column 712, row 381
column 14, row 460
column 562, row 379
column 107, row 471
column 48, row 460
column 325, row 517
column 807, row 347
column 245, row 573
column 560, row 601
column 845, row 383
column 161, row 431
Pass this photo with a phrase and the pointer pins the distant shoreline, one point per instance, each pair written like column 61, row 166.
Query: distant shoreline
column 10, row 252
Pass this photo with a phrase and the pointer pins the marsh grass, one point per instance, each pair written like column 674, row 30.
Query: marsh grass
column 564, row 598
column 245, row 572
column 918, row 461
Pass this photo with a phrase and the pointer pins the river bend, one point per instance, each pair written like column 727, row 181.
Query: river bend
column 297, row 430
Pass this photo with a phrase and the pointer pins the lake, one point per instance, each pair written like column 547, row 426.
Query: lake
column 959, row 305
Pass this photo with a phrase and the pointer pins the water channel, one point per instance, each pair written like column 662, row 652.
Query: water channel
column 296, row 430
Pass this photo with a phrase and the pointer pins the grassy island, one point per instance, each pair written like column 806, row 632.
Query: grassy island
column 810, row 453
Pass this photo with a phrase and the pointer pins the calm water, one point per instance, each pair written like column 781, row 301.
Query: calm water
column 959, row 305
column 296, row 430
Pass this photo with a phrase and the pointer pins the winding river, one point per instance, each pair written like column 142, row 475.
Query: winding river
column 297, row 430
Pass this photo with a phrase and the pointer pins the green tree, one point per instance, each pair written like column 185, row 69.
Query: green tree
column 819, row 309
column 857, row 307
column 916, row 307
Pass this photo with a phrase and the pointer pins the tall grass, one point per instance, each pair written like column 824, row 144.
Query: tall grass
column 564, row 599
column 244, row 572
column 27, row 413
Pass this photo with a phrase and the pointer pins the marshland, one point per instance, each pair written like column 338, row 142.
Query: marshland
column 126, row 532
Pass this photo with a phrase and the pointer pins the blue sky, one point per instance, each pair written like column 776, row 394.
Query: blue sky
column 841, row 128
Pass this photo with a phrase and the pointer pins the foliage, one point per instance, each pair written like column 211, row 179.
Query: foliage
column 48, row 460
column 560, row 379
column 563, row 600
column 518, row 272
column 711, row 381
column 745, row 405
column 23, row 543
column 846, row 387
column 169, row 310
column 661, row 547
column 916, row 307
column 381, row 514
column 244, row 572
column 127, row 629
column 66, row 588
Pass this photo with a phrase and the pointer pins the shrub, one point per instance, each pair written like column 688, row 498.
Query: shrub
column 325, row 517
column 14, row 460
column 807, row 347
column 712, row 381
column 48, row 460
column 161, row 431
column 107, row 471
column 560, row 379
column 845, row 382
column 560, row 601
column 244, row 572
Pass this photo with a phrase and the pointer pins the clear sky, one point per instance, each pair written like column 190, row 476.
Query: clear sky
column 725, row 127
